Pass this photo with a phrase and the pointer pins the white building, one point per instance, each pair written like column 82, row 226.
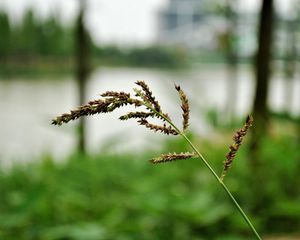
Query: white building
column 182, row 23
column 187, row 24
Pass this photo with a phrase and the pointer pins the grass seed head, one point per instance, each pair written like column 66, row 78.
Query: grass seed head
column 156, row 128
column 185, row 107
column 234, row 147
column 148, row 96
column 170, row 157
column 136, row 115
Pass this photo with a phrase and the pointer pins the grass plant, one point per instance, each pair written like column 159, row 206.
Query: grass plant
column 145, row 100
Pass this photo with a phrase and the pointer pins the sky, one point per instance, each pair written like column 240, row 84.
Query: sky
column 112, row 21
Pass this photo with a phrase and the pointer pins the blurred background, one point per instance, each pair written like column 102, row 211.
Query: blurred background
column 90, row 179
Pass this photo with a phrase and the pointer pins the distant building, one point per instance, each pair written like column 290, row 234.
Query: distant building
column 186, row 23
column 181, row 23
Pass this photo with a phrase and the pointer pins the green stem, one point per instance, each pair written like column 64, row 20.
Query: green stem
column 224, row 187
column 231, row 197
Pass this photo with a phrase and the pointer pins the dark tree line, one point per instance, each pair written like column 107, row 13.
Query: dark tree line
column 33, row 37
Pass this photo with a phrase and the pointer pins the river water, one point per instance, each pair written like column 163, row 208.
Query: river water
column 27, row 107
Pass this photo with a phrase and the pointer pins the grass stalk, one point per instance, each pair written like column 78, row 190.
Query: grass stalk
column 206, row 163
column 113, row 100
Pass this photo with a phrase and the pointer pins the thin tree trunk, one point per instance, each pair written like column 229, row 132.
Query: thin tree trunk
column 260, row 108
column 290, row 64
column 231, row 56
column 262, row 65
column 82, row 62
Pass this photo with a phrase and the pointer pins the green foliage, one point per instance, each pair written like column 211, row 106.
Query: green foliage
column 54, row 39
column 36, row 43
column 35, row 38
column 154, row 56
column 125, row 197
column 5, row 38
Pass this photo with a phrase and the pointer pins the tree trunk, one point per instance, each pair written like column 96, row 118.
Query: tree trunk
column 82, row 66
column 290, row 63
column 231, row 58
column 263, row 62
column 260, row 108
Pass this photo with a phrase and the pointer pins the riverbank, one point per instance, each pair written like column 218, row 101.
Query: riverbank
column 33, row 66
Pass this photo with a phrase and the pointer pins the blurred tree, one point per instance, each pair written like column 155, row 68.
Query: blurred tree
column 262, row 65
column 291, row 28
column 297, row 7
column 290, row 59
column 228, row 45
column 27, row 39
column 5, row 33
column 67, row 40
column 35, row 37
column 83, row 67
column 231, row 57
column 260, row 108
column 50, row 37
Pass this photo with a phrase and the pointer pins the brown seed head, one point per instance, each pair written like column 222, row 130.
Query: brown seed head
column 164, row 129
column 106, row 105
column 121, row 95
column 136, row 115
column 169, row 157
column 148, row 96
column 184, row 106
column 238, row 137
column 93, row 107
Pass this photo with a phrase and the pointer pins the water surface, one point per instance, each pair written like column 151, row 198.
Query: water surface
column 27, row 107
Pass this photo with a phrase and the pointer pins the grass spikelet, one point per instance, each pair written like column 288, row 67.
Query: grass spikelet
column 121, row 95
column 130, row 115
column 170, row 157
column 93, row 107
column 156, row 128
column 149, row 105
column 185, row 107
column 148, row 96
column 233, row 148
column 105, row 105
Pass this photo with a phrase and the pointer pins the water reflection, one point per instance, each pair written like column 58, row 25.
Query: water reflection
column 27, row 107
